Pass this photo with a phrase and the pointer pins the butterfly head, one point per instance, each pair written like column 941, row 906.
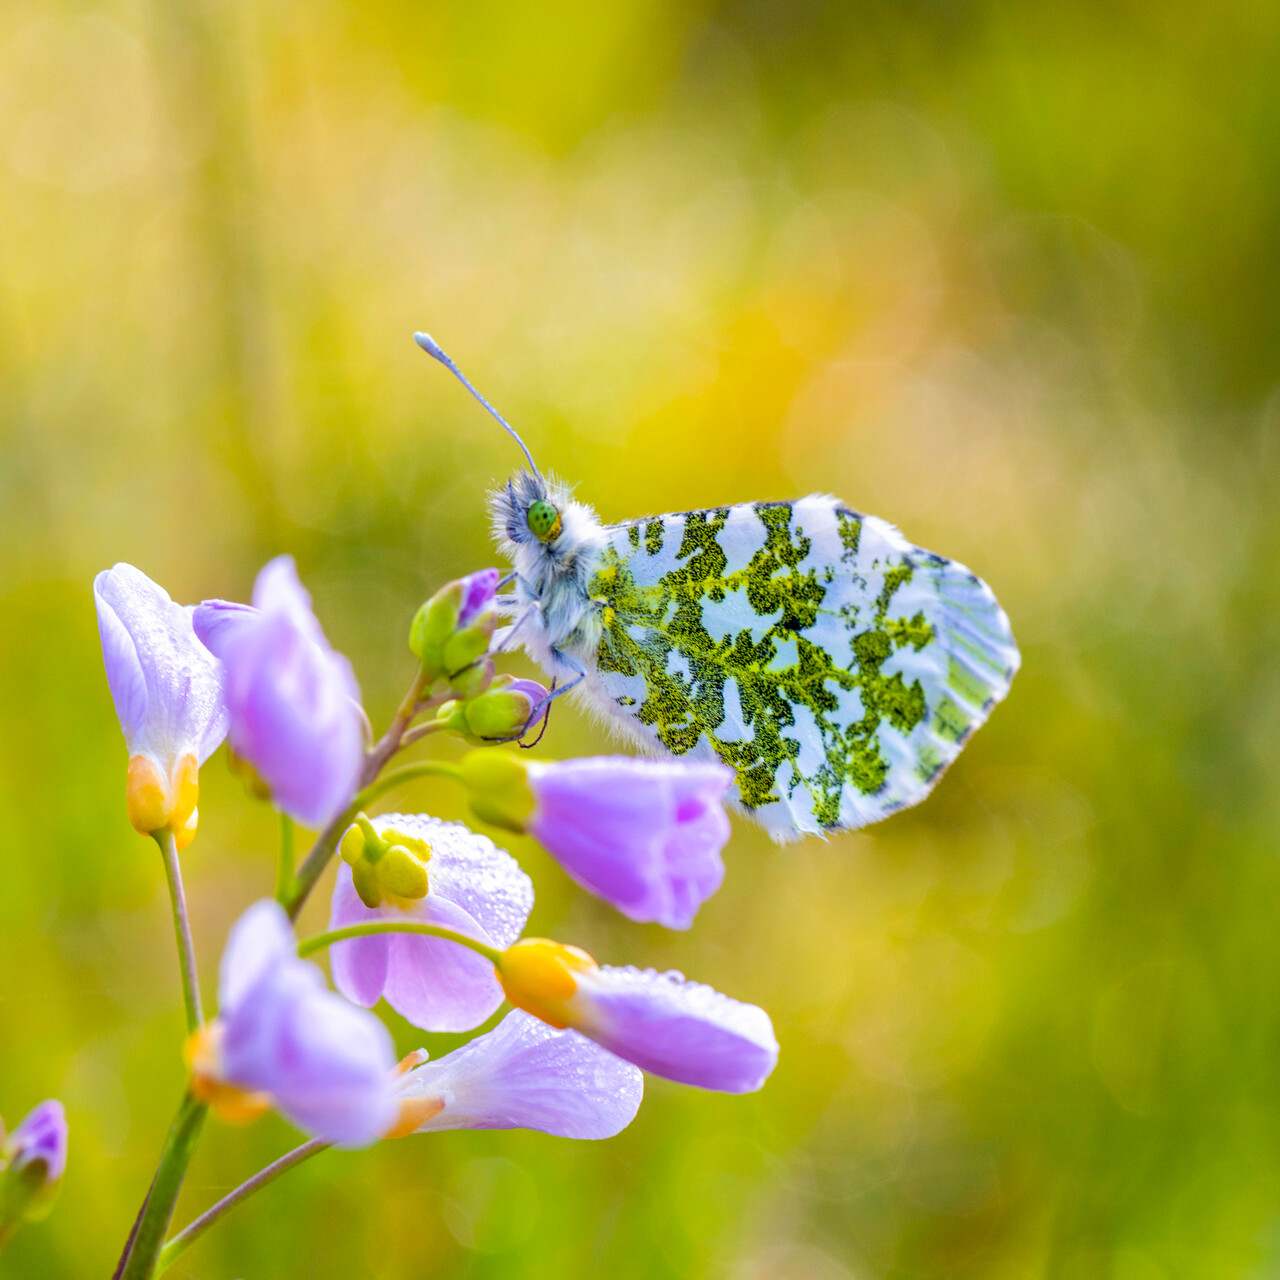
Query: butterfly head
column 543, row 519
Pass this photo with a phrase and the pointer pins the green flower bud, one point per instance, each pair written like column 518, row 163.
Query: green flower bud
column 364, row 876
column 465, row 646
column 473, row 680
column 453, row 628
column 498, row 788
column 386, row 864
column 402, row 874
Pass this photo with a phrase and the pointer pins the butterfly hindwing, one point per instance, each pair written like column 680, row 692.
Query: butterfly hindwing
column 835, row 666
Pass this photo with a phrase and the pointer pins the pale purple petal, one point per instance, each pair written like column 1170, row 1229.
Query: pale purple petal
column 41, row 1136
column 325, row 1064
column 683, row 1031
column 537, row 694
column 645, row 835
column 478, row 590
column 218, row 622
column 259, row 941
column 166, row 686
column 526, row 1075
column 439, row 985
column 293, row 701
column 476, row 889
column 358, row 965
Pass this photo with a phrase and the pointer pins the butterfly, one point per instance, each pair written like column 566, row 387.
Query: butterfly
column 835, row 666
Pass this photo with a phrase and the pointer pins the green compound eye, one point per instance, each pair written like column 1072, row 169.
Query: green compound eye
column 544, row 521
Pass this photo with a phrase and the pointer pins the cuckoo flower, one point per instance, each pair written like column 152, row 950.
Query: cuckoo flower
column 416, row 868
column 32, row 1162
column 521, row 1075
column 644, row 835
column 282, row 1039
column 294, row 703
column 167, row 689
column 680, row 1030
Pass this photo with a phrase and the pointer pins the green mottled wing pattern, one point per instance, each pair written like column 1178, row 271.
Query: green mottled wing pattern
column 837, row 668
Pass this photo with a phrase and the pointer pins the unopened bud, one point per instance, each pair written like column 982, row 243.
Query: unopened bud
column 502, row 712
column 472, row 681
column 498, row 788
column 32, row 1162
column 540, row 977
column 453, row 628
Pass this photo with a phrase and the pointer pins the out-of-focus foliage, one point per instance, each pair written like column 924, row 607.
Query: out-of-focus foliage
column 1003, row 273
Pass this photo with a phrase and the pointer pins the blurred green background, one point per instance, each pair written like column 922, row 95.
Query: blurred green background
column 1002, row 273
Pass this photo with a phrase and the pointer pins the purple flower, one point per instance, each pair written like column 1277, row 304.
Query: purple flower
column 281, row 1038
column 42, row 1136
column 644, row 835
column 680, row 1030
column 293, row 701
column 521, row 1075
column 473, row 887
column 168, row 693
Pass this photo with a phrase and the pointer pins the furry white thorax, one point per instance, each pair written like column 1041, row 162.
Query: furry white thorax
column 552, row 610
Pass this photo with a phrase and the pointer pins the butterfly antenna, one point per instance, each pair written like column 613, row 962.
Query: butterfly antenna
column 437, row 352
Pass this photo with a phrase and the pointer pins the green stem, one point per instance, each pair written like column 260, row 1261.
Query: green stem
column 314, row 863
column 181, row 929
column 284, row 868
column 141, row 1257
column 310, row 946
column 193, row 1231
column 423, row 769
column 420, row 731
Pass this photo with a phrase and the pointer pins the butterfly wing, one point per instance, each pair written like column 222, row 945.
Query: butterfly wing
column 835, row 666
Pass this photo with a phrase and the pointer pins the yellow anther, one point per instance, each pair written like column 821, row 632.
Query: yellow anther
column 200, row 1053
column 540, row 977
column 414, row 1112
column 156, row 803
column 414, row 1058
column 146, row 795
column 186, row 833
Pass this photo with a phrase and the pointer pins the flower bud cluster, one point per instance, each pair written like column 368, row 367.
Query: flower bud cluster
column 385, row 868
column 450, row 634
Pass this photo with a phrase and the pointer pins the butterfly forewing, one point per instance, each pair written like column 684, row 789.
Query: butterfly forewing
column 835, row 666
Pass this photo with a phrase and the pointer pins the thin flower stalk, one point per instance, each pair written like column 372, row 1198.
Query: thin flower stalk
column 141, row 1255
column 309, row 946
column 185, row 1238
column 182, row 929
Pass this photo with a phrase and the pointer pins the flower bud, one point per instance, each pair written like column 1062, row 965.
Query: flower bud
column 498, row 787
column 474, row 679
column 541, row 977
column 453, row 628
column 502, row 712
column 32, row 1163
